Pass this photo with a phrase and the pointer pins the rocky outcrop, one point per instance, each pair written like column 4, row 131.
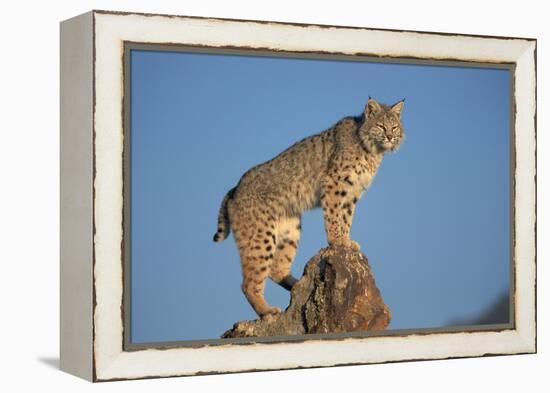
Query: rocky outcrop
column 337, row 293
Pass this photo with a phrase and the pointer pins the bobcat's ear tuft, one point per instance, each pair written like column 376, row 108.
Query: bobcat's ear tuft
column 398, row 107
column 372, row 108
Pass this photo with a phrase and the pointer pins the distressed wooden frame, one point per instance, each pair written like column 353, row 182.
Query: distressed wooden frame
column 92, row 190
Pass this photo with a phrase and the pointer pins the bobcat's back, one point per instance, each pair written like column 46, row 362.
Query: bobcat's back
column 292, row 179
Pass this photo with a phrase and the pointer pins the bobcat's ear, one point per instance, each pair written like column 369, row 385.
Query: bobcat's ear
column 372, row 108
column 398, row 107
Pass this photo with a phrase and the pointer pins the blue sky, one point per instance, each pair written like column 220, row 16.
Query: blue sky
column 435, row 223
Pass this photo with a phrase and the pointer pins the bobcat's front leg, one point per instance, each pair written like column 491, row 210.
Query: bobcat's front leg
column 338, row 199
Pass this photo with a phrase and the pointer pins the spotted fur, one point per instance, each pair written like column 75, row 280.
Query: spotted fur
column 328, row 170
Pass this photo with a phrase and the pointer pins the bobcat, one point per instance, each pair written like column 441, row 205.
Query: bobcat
column 328, row 170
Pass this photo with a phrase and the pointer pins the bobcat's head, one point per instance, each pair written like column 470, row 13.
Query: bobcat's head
column 381, row 130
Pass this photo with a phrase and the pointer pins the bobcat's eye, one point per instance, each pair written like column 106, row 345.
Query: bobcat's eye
column 380, row 125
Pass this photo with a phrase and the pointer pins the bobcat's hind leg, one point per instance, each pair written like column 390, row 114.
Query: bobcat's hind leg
column 256, row 247
column 288, row 236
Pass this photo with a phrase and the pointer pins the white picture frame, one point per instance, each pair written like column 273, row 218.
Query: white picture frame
column 92, row 194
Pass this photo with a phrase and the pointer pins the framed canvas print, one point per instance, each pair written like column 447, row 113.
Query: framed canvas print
column 246, row 195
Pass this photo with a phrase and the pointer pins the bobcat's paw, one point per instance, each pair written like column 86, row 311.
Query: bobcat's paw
column 354, row 245
column 347, row 243
column 272, row 313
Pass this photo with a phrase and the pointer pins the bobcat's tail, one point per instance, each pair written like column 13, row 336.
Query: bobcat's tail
column 223, row 218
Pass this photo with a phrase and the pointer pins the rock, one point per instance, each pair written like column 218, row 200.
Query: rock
column 337, row 293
